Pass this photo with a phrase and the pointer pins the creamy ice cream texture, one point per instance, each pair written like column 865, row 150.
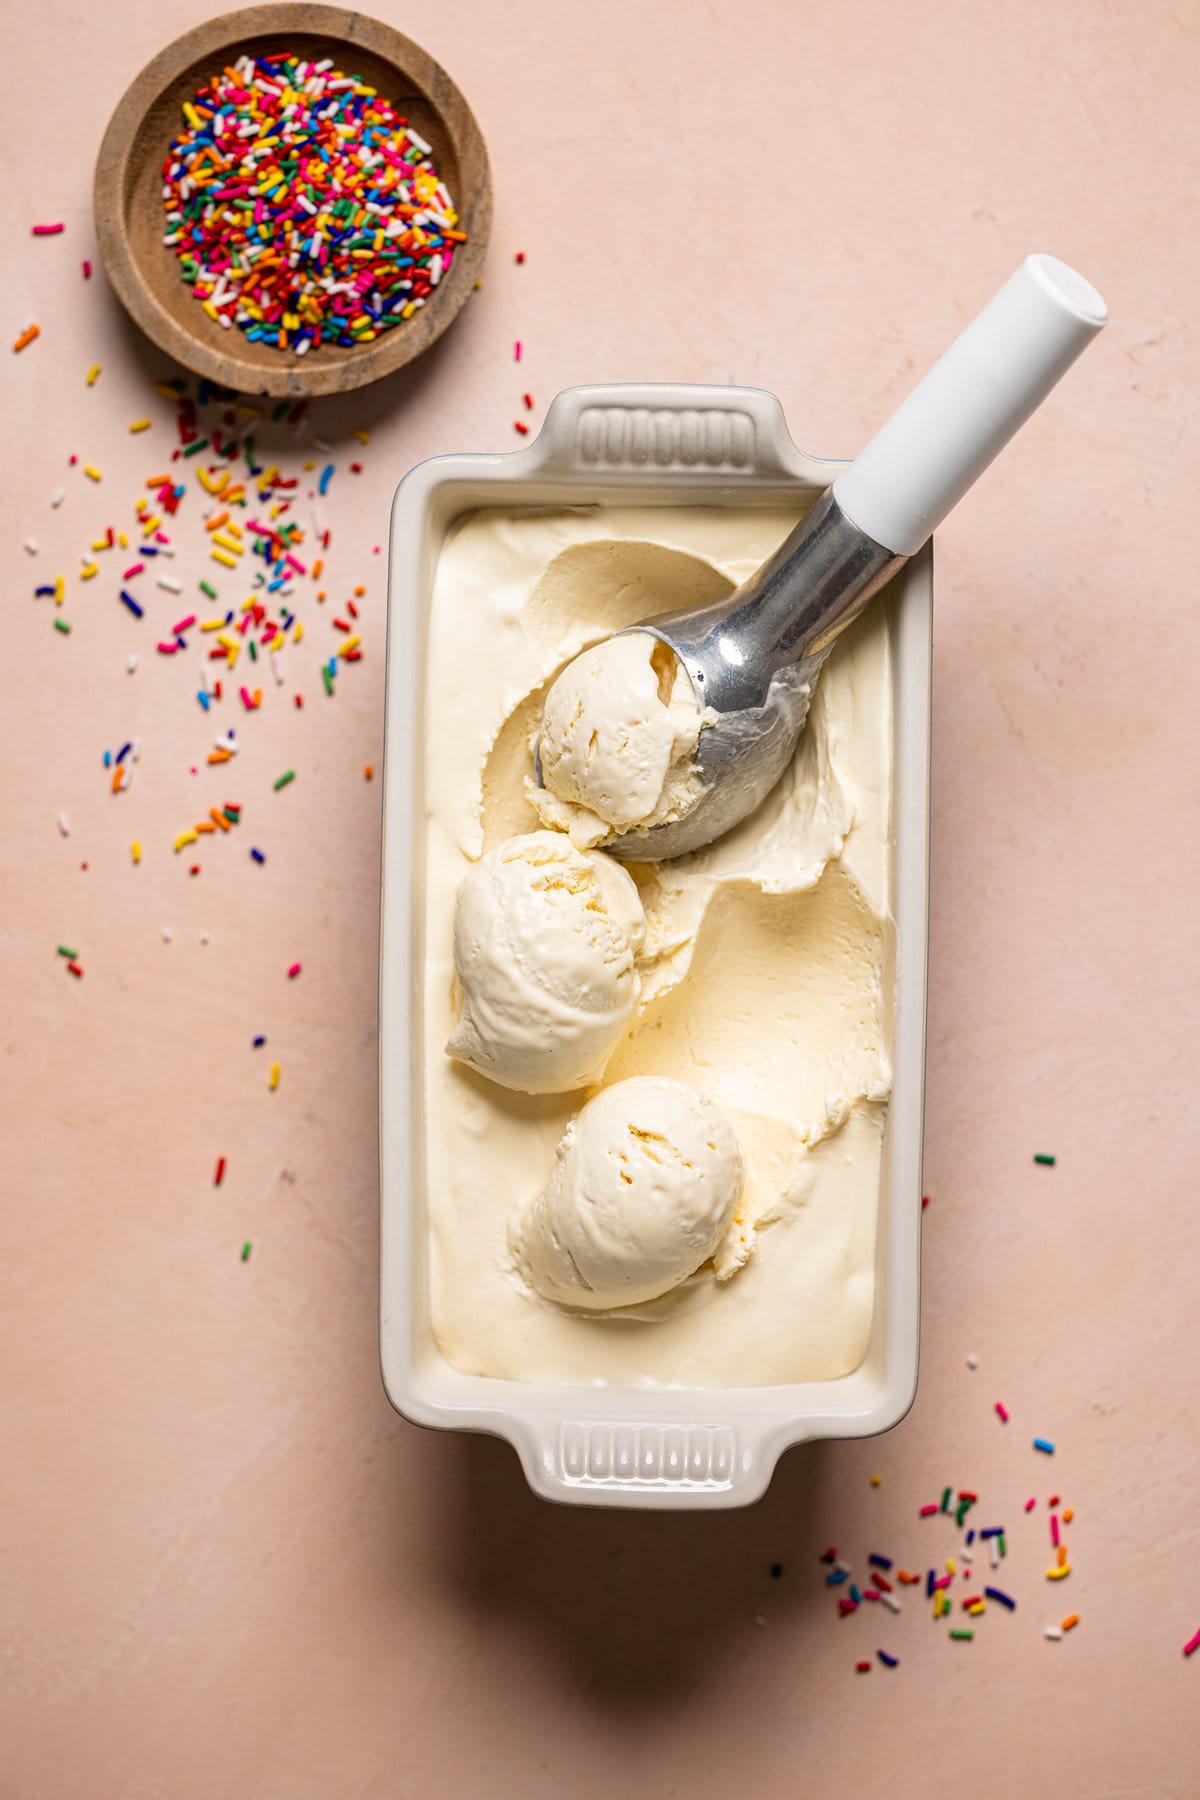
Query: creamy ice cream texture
column 763, row 979
column 645, row 1188
column 545, row 940
column 618, row 739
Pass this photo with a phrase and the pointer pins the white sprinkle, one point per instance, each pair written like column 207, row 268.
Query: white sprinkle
column 58, row 496
column 1053, row 1633
column 64, row 829
column 758, row 1619
column 32, row 546
column 136, row 750
column 972, row 1361
column 967, row 1556
column 166, row 934
column 994, row 1552
column 277, row 668
column 225, row 744
column 204, row 937
column 132, row 664
column 170, row 584
column 890, row 1601
column 845, row 1567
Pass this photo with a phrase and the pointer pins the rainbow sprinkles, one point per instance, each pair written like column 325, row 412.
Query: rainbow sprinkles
column 303, row 208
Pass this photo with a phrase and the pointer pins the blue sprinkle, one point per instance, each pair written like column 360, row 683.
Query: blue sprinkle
column 202, row 697
column 332, row 665
column 259, row 1042
column 148, row 550
column 855, row 1595
column 108, row 759
column 834, row 1576
column 258, row 856
column 38, row 592
column 1003, row 1598
column 123, row 752
column 929, row 1581
column 1044, row 1444
column 132, row 604
column 326, row 477
column 881, row 1562
column 992, row 1531
column 889, row 1662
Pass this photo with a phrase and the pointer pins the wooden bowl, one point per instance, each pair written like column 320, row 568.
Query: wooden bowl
column 131, row 218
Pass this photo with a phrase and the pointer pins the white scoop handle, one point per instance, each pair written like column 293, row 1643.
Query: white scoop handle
column 976, row 397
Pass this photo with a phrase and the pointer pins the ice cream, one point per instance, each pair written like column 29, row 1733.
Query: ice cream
column 645, row 1185
column 545, row 938
column 763, row 979
column 618, row 739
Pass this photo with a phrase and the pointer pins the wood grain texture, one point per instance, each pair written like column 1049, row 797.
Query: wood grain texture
column 130, row 218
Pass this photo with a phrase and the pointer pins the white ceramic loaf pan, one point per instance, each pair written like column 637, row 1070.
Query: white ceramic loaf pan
column 646, row 1447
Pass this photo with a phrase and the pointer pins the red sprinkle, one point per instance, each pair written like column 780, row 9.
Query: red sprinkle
column 924, row 1201
column 87, row 269
column 519, row 257
column 520, row 425
column 528, row 399
column 299, row 699
column 219, row 1177
column 294, row 971
column 74, row 966
column 864, row 1668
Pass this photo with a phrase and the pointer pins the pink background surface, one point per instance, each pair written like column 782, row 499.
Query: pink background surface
column 228, row 1568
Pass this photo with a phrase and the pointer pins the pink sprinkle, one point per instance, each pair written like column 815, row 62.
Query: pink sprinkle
column 160, row 537
column 168, row 649
column 293, row 971
column 1054, row 1528
column 87, row 269
column 870, row 1593
column 184, row 623
column 247, row 702
column 943, row 1581
column 48, row 230
column 927, row 1511
column 845, row 1607
column 1003, row 1411
column 517, row 351
column 1193, row 1643
column 1029, row 1505
column 132, row 570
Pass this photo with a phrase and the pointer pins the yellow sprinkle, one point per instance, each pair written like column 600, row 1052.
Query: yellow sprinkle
column 351, row 643
column 149, row 525
column 299, row 631
column 235, row 529
column 88, row 570
column 364, row 437
column 251, row 412
column 140, row 425
column 951, row 1566
column 310, row 464
column 100, row 543
column 185, row 838
column 210, row 309
column 277, row 641
column 980, row 1606
column 60, row 588
column 228, row 641
column 877, row 1481
column 1057, row 1574
column 206, row 481
column 223, row 556
column 92, row 472
column 93, row 374
column 212, row 624
column 135, row 850
column 122, row 540
column 274, row 1081
column 227, row 543
column 168, row 393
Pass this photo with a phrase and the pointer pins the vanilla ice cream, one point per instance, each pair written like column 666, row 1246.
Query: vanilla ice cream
column 618, row 739
column 644, row 1190
column 545, row 938
column 763, row 980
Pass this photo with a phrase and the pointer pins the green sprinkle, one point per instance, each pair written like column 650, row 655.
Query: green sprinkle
column 1003, row 1546
column 960, row 1515
column 959, row 1631
column 946, row 1492
column 289, row 775
column 69, row 954
column 61, row 625
column 206, row 587
column 1047, row 1162
column 279, row 411
column 246, row 1258
column 233, row 817
column 327, row 679
column 197, row 447
column 253, row 651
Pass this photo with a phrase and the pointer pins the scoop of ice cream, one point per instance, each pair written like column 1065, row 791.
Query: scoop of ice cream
column 618, row 740
column 545, row 944
column 644, row 1190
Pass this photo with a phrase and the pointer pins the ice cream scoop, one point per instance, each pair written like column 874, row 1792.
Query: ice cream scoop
column 546, row 938
column 753, row 657
column 618, row 740
column 644, row 1191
